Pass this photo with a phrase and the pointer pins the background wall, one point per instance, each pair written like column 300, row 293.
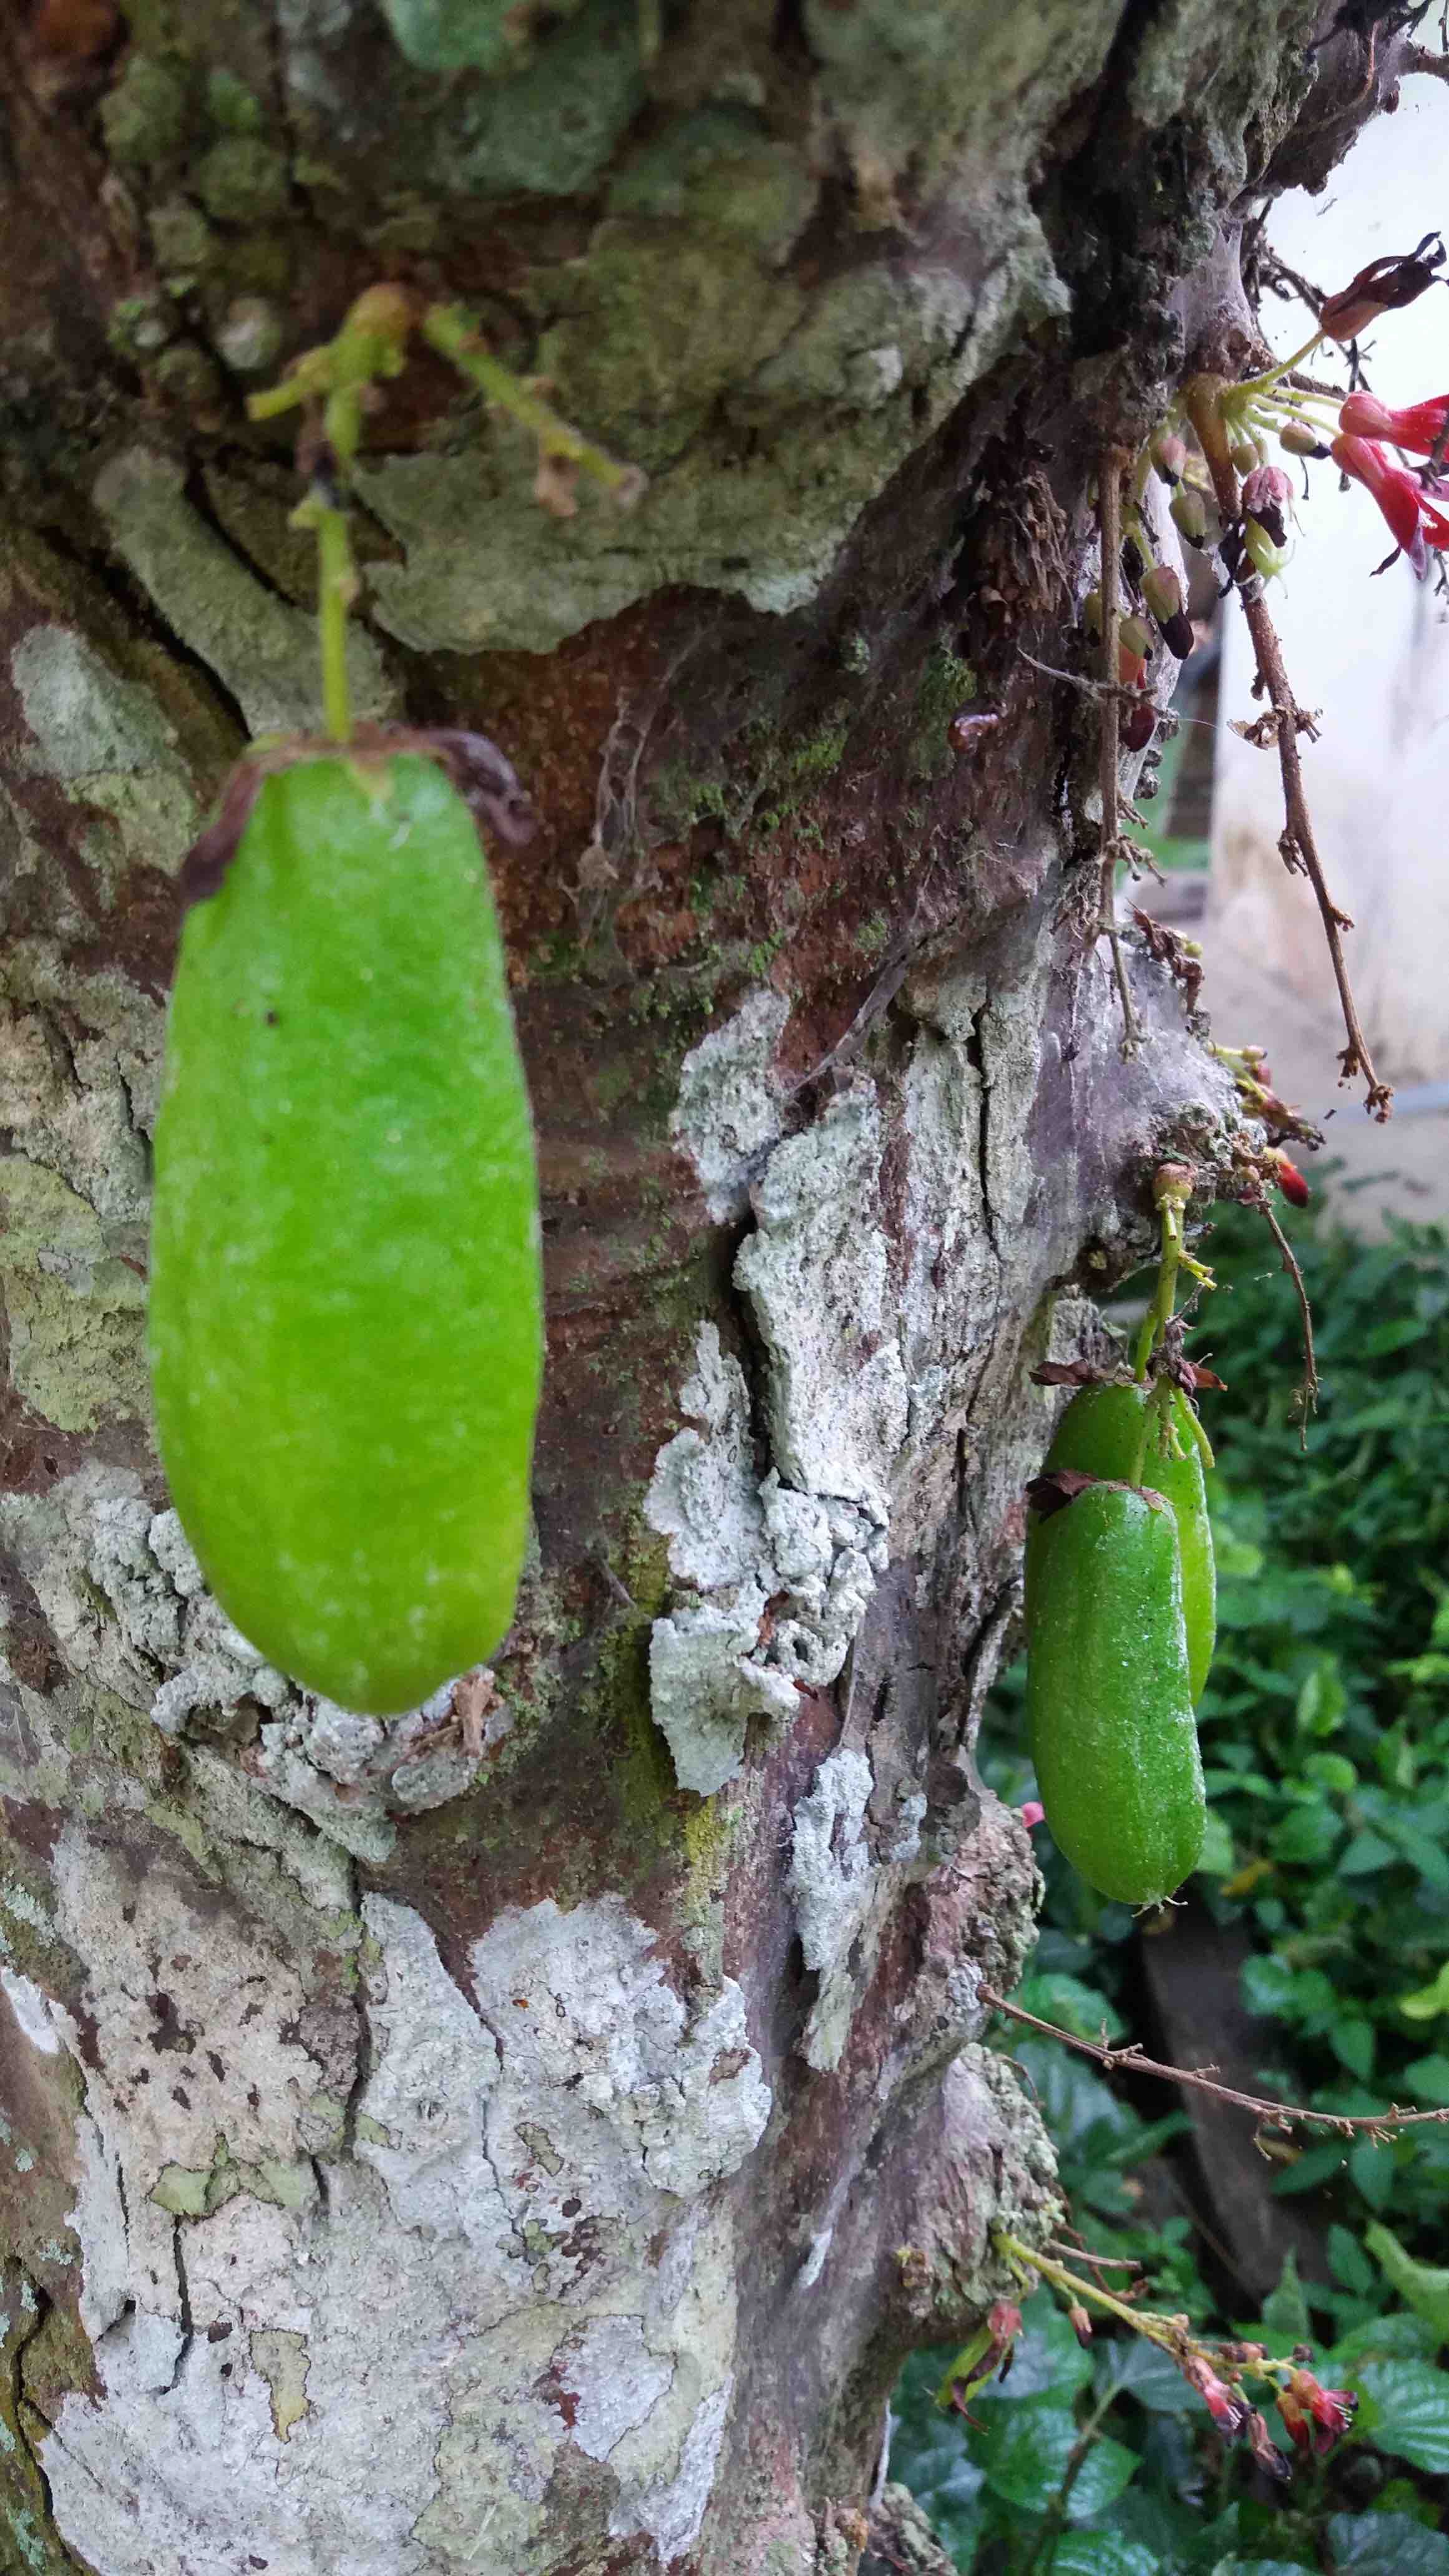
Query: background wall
column 1373, row 654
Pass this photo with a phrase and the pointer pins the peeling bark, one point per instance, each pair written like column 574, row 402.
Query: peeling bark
column 530, row 2133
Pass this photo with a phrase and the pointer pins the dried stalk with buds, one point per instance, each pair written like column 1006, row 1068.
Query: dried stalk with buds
column 1298, row 846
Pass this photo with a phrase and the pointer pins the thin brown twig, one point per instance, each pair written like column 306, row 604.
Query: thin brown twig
column 1307, row 1396
column 1355, row 1057
column 1109, row 519
column 1298, row 845
column 1271, row 2115
column 1417, row 58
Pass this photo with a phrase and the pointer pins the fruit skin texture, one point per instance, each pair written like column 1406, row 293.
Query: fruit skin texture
column 1108, row 1705
column 1100, row 1434
column 346, row 1301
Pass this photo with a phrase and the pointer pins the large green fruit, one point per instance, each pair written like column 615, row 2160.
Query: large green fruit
column 345, row 1291
column 1100, row 1434
column 1109, row 1706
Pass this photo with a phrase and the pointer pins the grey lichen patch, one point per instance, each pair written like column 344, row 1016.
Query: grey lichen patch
column 745, row 1542
column 764, row 515
column 263, row 651
column 816, row 1271
column 720, row 168
column 831, row 1876
column 705, row 1685
column 238, row 2422
column 676, row 2099
column 730, row 1110
column 661, row 320
column 552, row 128
column 76, row 1314
column 943, row 92
column 83, row 1106
column 110, row 744
column 127, row 1603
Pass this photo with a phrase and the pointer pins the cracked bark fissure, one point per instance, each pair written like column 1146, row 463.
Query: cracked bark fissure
column 489, row 2090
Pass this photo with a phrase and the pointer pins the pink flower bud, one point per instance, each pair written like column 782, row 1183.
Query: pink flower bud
column 1169, row 455
column 1267, row 488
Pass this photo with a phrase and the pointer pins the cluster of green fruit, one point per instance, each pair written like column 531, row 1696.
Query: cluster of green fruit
column 1120, row 1625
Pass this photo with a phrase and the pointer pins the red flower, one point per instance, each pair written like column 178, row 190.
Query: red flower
column 1290, row 1180
column 1265, row 2450
column 1418, row 426
column 1230, row 2412
column 1032, row 1812
column 1315, row 2415
column 1405, row 502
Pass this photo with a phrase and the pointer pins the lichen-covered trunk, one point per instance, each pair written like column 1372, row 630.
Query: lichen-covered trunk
column 527, row 2135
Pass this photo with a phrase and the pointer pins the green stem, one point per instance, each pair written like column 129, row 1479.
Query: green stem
column 1142, row 2322
column 336, row 590
column 1154, row 1414
column 1190, row 1423
column 1264, row 384
column 450, row 331
column 1159, row 1313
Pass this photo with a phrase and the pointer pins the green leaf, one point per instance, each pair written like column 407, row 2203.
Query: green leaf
column 1422, row 2286
column 1103, row 2553
column 1267, row 1985
column 1024, row 2450
column 1257, row 2567
column 1353, row 2045
column 1305, row 1834
column 1427, row 2001
column 1400, row 2337
column 1385, row 2544
column 1407, row 2412
column 1349, row 2263
column 1216, row 1860
column 1428, row 2079
column 1321, row 1702
column 1075, row 2006
column 1331, row 1771
column 1285, row 2310
column 1394, row 1335
column 1373, row 2167
column 1047, row 2361
column 1365, row 1853
column 1142, row 2370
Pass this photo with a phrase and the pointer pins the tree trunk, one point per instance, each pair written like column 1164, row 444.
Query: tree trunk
column 528, row 2135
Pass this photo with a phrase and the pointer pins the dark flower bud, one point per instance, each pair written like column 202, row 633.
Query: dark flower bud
column 1162, row 591
column 1138, row 725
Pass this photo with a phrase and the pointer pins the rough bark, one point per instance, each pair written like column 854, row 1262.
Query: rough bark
column 416, row 2161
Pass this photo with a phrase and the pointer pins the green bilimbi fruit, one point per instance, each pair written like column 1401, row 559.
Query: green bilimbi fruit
column 1100, row 1434
column 1109, row 1708
column 346, row 1302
